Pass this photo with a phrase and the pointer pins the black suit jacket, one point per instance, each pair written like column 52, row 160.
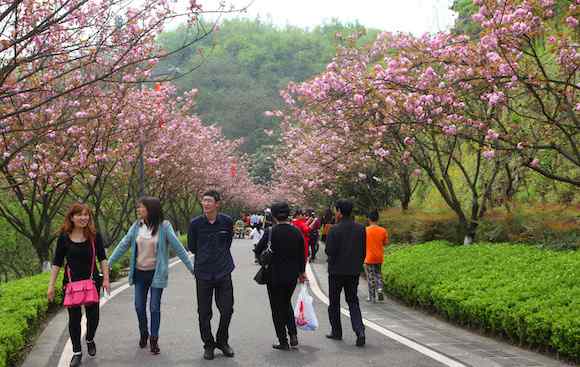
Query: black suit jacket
column 346, row 247
column 288, row 259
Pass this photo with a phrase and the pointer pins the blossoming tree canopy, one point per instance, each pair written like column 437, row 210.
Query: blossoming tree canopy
column 445, row 103
column 57, row 54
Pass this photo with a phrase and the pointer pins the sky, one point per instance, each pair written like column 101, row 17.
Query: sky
column 414, row 16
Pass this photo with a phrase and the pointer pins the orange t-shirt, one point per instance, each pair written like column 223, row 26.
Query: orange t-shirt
column 377, row 238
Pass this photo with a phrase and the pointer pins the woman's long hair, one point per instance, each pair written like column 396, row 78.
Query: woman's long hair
column 154, row 213
column 68, row 225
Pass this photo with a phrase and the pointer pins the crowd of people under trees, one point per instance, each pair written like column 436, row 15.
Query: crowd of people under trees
column 285, row 241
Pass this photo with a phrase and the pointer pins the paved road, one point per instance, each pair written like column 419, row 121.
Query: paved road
column 252, row 332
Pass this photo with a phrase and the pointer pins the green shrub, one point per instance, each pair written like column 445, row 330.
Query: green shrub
column 549, row 226
column 23, row 304
column 529, row 295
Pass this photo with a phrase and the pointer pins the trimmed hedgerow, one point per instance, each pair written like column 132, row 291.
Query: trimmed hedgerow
column 529, row 295
column 23, row 304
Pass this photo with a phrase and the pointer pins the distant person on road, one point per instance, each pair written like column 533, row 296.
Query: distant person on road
column 345, row 248
column 327, row 222
column 255, row 236
column 377, row 239
column 299, row 222
column 210, row 238
column 286, row 268
column 314, row 224
column 80, row 245
column 149, row 239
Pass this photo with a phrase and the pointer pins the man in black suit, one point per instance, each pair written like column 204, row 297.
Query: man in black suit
column 345, row 248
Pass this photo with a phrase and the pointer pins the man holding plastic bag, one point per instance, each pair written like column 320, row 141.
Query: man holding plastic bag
column 346, row 250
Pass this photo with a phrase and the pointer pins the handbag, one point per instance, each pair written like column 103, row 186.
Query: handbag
column 81, row 292
column 262, row 275
column 265, row 259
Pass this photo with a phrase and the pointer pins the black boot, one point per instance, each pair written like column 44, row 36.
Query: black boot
column 76, row 360
column 143, row 341
column 153, row 344
column 91, row 348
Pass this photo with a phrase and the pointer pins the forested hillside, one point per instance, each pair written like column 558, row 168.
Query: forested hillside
column 244, row 65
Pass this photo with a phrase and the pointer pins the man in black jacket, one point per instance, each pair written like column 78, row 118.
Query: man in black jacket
column 210, row 238
column 345, row 247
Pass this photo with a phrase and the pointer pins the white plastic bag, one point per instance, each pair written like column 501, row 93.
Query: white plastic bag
column 304, row 314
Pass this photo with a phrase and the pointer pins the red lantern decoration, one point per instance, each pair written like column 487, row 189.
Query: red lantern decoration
column 234, row 169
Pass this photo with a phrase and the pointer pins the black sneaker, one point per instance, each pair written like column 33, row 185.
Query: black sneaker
column 334, row 337
column 281, row 346
column 76, row 360
column 226, row 350
column 208, row 354
column 91, row 348
column 381, row 297
column 293, row 340
column 360, row 341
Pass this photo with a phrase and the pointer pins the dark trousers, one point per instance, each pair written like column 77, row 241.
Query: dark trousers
column 313, row 244
column 350, row 284
column 74, row 324
column 224, row 299
column 282, row 311
column 143, row 280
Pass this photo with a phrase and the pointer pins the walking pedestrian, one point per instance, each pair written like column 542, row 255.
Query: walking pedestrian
column 256, row 236
column 313, row 235
column 210, row 238
column 345, row 248
column 80, row 245
column 327, row 222
column 149, row 239
column 377, row 239
column 285, row 269
column 299, row 222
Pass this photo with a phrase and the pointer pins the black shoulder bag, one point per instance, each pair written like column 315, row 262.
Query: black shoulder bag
column 265, row 259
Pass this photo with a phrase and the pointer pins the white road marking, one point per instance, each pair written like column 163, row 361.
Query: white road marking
column 67, row 352
column 378, row 328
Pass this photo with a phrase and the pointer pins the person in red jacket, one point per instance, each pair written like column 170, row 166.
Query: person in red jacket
column 299, row 222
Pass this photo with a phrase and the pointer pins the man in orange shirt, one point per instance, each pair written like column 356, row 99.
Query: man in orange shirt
column 377, row 239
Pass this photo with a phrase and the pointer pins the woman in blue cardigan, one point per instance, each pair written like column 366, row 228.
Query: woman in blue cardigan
column 149, row 239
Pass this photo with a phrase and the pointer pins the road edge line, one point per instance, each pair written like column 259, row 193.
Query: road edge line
column 67, row 351
column 433, row 354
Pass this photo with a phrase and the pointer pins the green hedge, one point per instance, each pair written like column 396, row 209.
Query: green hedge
column 23, row 304
column 529, row 295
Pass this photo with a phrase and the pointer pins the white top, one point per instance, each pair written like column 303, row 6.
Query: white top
column 256, row 235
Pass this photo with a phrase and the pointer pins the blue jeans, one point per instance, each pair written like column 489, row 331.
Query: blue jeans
column 143, row 280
